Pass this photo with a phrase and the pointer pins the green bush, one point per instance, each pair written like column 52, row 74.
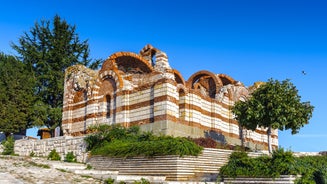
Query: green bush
column 8, row 146
column 283, row 163
column 32, row 154
column 117, row 141
column 313, row 169
column 239, row 164
column 143, row 181
column 109, row 181
column 70, row 157
column 54, row 155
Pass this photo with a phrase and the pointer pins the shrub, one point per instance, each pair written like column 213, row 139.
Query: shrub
column 128, row 142
column 70, row 157
column 312, row 168
column 8, row 146
column 143, row 181
column 239, row 164
column 88, row 167
column 106, row 133
column 32, row 154
column 109, row 181
column 162, row 146
column 283, row 162
column 54, row 155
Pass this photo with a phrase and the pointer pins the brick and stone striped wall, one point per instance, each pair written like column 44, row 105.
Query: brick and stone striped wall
column 143, row 90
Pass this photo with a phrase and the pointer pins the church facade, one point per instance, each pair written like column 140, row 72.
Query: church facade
column 142, row 89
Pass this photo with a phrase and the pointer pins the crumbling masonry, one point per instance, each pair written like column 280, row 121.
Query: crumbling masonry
column 142, row 89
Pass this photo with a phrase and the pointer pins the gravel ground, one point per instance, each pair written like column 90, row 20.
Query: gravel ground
column 26, row 170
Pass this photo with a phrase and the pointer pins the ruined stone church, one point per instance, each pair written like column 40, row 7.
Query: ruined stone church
column 142, row 89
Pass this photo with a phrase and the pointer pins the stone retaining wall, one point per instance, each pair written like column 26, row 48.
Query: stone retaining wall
column 62, row 145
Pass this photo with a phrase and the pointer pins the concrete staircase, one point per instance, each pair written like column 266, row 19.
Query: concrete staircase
column 204, row 167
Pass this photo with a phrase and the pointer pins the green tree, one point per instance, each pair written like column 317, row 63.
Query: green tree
column 274, row 105
column 47, row 50
column 16, row 96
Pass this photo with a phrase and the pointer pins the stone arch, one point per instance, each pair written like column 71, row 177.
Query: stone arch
column 213, row 83
column 110, row 74
column 225, row 79
column 108, row 104
column 149, row 53
column 178, row 77
column 127, row 60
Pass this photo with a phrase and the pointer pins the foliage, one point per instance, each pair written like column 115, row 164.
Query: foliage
column 32, row 154
column 47, row 50
column 239, row 164
column 313, row 169
column 109, row 181
column 16, row 95
column 117, row 141
column 70, row 157
column 54, row 155
column 205, row 142
column 39, row 165
column 283, row 162
column 274, row 105
column 143, row 181
column 106, row 133
column 88, row 167
column 8, row 146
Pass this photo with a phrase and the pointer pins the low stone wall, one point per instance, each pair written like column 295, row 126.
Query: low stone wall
column 62, row 145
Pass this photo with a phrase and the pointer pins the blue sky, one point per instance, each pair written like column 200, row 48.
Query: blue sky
column 247, row 40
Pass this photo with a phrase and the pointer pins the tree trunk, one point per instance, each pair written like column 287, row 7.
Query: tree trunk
column 269, row 139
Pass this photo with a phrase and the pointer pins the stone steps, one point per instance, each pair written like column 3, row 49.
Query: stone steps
column 283, row 179
column 173, row 167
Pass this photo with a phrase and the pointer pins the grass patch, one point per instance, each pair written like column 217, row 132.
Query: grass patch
column 39, row 165
column 86, row 176
column 63, row 170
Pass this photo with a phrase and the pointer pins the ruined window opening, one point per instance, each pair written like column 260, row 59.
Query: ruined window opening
column 108, row 99
column 181, row 104
column 153, row 57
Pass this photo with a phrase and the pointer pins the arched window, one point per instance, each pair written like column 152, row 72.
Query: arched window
column 108, row 100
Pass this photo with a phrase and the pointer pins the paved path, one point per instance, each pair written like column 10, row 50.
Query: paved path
column 10, row 179
column 26, row 170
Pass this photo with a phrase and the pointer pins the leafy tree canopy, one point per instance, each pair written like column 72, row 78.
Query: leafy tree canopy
column 274, row 105
column 47, row 50
column 16, row 95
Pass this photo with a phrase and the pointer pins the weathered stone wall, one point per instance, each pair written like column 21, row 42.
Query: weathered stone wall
column 62, row 145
